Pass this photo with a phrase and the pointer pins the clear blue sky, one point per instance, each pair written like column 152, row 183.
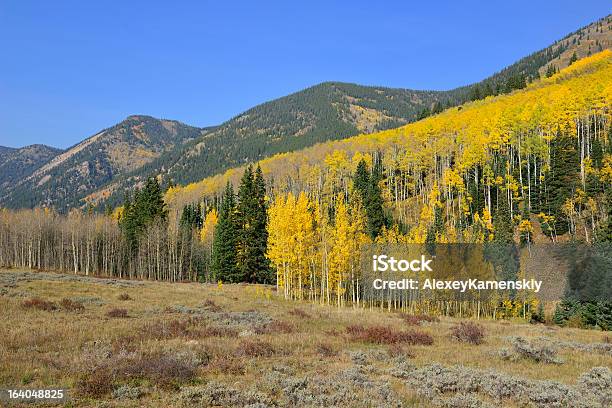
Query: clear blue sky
column 71, row 68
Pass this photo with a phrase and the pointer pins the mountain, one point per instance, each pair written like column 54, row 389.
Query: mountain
column 64, row 180
column 335, row 110
column 531, row 148
column 328, row 111
column 15, row 164
column 5, row 150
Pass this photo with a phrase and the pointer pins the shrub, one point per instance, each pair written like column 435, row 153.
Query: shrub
column 71, row 305
column 387, row 335
column 275, row 327
column 117, row 312
column 95, row 384
column 468, row 332
column 299, row 313
column 256, row 348
column 326, row 350
column 416, row 320
column 165, row 370
column 39, row 304
column 124, row 296
column 128, row 392
column 396, row 350
column 537, row 351
column 161, row 330
column 211, row 306
column 217, row 331
column 227, row 365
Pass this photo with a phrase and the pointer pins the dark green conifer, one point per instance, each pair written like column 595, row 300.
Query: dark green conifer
column 224, row 266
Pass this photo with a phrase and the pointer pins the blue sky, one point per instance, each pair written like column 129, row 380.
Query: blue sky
column 71, row 68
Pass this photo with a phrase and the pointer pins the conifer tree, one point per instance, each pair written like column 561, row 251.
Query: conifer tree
column 264, row 272
column 366, row 184
column 147, row 207
column 573, row 59
column 252, row 221
column 562, row 179
column 224, row 266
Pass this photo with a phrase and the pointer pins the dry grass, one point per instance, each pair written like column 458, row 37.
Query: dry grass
column 181, row 335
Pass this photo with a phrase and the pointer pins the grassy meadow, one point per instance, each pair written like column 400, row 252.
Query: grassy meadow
column 115, row 343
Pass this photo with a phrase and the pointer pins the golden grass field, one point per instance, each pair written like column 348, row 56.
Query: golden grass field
column 189, row 344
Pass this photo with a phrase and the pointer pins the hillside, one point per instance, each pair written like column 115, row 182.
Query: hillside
column 5, row 150
column 15, row 164
column 328, row 111
column 334, row 110
column 63, row 181
column 459, row 139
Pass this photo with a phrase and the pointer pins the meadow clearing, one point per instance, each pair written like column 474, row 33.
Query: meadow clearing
column 120, row 343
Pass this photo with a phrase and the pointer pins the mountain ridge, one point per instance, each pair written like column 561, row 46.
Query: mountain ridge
column 331, row 110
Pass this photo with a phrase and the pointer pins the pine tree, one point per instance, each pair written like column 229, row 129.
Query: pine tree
column 562, row 179
column 251, row 217
column 361, row 179
column 147, row 207
column 369, row 191
column 502, row 223
column 224, row 266
column 264, row 272
column 573, row 59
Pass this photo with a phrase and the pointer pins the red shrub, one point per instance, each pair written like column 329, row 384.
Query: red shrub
column 326, row 350
column 395, row 350
column 116, row 312
column 95, row 384
column 256, row 348
column 124, row 296
column 227, row 365
column 71, row 306
column 39, row 304
column 416, row 320
column 468, row 332
column 387, row 335
column 299, row 313
column 277, row 326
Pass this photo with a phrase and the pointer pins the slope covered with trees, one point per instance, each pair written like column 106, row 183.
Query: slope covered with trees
column 15, row 164
column 65, row 180
column 494, row 172
column 98, row 174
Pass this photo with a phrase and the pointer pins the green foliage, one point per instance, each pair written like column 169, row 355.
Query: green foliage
column 573, row 59
column 225, row 243
column 146, row 208
column 562, row 179
column 571, row 312
column 367, row 185
column 251, row 219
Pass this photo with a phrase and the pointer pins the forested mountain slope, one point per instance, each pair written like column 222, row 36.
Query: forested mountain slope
column 334, row 110
column 98, row 172
column 15, row 164
column 544, row 151
column 4, row 151
column 82, row 169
